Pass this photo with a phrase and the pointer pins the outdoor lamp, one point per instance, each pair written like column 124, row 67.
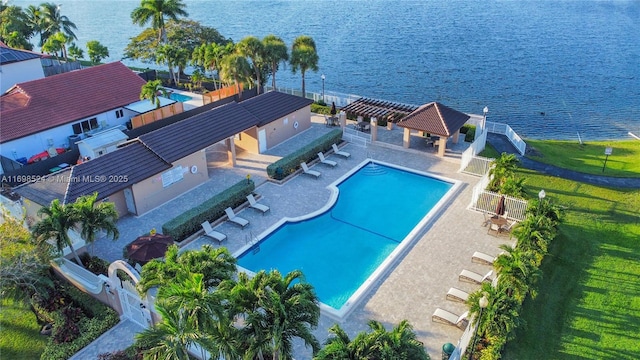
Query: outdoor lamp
column 484, row 119
column 483, row 302
column 541, row 194
column 322, row 77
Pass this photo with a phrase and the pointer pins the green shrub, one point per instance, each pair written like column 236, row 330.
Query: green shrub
column 469, row 131
column 290, row 163
column 189, row 222
column 320, row 109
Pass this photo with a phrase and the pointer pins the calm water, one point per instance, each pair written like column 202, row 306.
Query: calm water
column 338, row 250
column 548, row 68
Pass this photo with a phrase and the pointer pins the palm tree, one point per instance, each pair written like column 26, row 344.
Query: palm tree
column 235, row 68
column 517, row 271
column 275, row 52
column 171, row 338
column 340, row 347
column 304, row 57
column 59, row 219
column 33, row 19
column 95, row 218
column 502, row 168
column 399, row 343
column 52, row 22
column 55, row 43
column 534, row 234
column 150, row 92
column 156, row 11
column 253, row 48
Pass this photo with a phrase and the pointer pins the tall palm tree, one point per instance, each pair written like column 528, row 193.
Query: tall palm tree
column 235, row 69
column 517, row 271
column 95, row 218
column 275, row 52
column 52, row 22
column 304, row 57
column 58, row 220
column 33, row 19
column 157, row 11
column 150, row 91
column 253, row 48
column 171, row 338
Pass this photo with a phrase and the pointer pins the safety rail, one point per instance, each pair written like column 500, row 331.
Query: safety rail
column 356, row 137
column 504, row 129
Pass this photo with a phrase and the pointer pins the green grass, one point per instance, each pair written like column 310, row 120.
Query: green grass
column 21, row 337
column 589, row 157
column 489, row 152
column 588, row 305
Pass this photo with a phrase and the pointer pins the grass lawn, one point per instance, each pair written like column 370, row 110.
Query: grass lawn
column 588, row 305
column 589, row 157
column 21, row 337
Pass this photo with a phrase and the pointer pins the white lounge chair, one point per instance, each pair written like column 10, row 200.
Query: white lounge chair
column 450, row 318
column 482, row 258
column 325, row 161
column 470, row 276
column 455, row 294
column 254, row 204
column 306, row 170
column 208, row 231
column 338, row 152
column 236, row 219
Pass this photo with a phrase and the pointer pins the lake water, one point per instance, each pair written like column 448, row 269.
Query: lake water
column 550, row 69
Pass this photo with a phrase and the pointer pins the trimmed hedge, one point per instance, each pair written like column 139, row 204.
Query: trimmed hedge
column 190, row 221
column 290, row 163
column 320, row 109
column 469, row 131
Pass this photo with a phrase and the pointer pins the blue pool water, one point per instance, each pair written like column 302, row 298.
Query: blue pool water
column 179, row 97
column 377, row 207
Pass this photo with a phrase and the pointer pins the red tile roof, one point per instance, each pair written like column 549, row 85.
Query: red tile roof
column 435, row 118
column 37, row 105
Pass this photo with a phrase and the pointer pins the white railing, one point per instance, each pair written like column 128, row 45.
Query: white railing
column 504, row 129
column 469, row 163
column 356, row 137
column 341, row 99
column 487, row 201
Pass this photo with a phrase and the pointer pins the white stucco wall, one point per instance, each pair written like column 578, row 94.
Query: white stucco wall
column 19, row 72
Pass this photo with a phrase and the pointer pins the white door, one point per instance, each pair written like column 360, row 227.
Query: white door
column 262, row 140
column 128, row 198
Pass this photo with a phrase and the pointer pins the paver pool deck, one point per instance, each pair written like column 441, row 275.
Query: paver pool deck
column 414, row 286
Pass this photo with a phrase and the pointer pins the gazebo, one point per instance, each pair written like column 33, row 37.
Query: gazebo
column 435, row 119
column 379, row 109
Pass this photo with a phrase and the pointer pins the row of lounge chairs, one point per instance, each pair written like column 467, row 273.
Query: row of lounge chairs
column 458, row 295
column 234, row 219
column 316, row 174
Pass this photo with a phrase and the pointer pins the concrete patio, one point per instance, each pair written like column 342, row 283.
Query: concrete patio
column 412, row 289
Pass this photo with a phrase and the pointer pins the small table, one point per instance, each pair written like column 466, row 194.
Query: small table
column 498, row 220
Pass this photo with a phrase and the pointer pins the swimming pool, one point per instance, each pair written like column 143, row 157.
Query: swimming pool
column 375, row 212
column 179, row 97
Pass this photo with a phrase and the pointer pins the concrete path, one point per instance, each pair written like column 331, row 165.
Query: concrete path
column 502, row 144
column 117, row 338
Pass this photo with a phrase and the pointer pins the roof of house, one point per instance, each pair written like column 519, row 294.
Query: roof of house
column 435, row 118
column 185, row 137
column 9, row 55
column 33, row 106
column 273, row 105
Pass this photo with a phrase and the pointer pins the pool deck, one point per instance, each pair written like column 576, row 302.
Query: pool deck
column 418, row 281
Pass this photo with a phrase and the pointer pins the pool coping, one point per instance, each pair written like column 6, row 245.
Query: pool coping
column 388, row 263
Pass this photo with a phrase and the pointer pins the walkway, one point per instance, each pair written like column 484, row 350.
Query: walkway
column 502, row 144
column 117, row 338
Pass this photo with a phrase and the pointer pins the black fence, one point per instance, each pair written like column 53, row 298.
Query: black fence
column 21, row 175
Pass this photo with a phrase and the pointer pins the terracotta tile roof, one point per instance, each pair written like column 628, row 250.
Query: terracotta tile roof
column 435, row 118
column 273, row 105
column 185, row 137
column 37, row 105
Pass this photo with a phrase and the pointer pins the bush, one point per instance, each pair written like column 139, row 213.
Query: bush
column 94, row 264
column 290, row 163
column 189, row 222
column 320, row 109
column 469, row 131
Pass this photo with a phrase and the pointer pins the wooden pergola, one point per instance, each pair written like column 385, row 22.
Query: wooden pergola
column 380, row 109
column 435, row 119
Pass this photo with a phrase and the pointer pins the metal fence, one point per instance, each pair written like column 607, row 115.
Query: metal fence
column 340, row 99
column 356, row 137
column 487, row 201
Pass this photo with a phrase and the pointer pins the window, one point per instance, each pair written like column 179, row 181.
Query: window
column 85, row 126
column 119, row 113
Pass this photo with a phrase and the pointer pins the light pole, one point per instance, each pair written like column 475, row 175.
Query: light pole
column 484, row 118
column 483, row 302
column 322, row 77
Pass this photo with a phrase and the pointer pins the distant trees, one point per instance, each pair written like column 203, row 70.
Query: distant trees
column 150, row 92
column 275, row 52
column 252, row 48
column 304, row 57
column 96, row 51
column 156, row 12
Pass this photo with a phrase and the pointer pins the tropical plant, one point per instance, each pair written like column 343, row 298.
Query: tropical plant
column 534, row 234
column 150, row 91
column 171, row 338
column 156, row 11
column 253, row 48
column 75, row 52
column 275, row 52
column 340, row 347
column 518, row 272
column 95, row 218
column 33, row 20
column 58, row 220
column 502, row 169
column 304, row 57
column 215, row 264
column 55, row 43
column 235, row 69
column 52, row 22
column 96, row 51
column 172, row 56
column 14, row 29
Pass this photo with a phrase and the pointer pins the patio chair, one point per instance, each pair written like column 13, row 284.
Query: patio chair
column 254, row 204
column 209, row 232
column 455, row 294
column 473, row 277
column 242, row 222
column 495, row 228
column 306, row 170
column 507, row 228
column 325, row 161
column 487, row 218
column 449, row 318
column 482, row 258
column 338, row 152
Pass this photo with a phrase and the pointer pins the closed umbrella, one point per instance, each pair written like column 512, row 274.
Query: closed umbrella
column 148, row 247
column 500, row 209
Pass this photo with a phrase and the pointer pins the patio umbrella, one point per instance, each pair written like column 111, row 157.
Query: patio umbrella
column 148, row 247
column 500, row 208
column 333, row 108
